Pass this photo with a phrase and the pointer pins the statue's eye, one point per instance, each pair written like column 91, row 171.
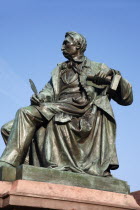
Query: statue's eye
column 65, row 42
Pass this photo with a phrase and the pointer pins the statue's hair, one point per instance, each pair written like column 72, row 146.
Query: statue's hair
column 78, row 39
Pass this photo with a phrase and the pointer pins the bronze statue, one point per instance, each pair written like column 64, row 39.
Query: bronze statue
column 70, row 124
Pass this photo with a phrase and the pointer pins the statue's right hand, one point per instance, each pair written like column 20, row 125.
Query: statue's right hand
column 35, row 99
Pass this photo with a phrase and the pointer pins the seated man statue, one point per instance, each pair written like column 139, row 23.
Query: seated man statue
column 70, row 125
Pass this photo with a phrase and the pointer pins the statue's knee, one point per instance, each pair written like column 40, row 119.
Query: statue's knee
column 6, row 128
column 31, row 112
column 26, row 111
column 3, row 129
column 23, row 110
column 5, row 133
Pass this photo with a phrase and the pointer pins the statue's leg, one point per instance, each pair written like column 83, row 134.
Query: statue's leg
column 27, row 120
column 5, row 130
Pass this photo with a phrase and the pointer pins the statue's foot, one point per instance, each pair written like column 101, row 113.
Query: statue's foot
column 107, row 174
column 4, row 164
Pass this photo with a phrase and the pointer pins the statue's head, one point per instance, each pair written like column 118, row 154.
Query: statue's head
column 74, row 45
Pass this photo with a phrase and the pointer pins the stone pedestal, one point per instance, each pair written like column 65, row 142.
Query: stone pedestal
column 28, row 187
column 27, row 172
column 27, row 195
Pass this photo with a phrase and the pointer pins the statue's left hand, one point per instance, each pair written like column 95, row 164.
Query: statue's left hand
column 103, row 77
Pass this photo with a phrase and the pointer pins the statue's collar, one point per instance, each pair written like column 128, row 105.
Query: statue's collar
column 83, row 61
column 79, row 59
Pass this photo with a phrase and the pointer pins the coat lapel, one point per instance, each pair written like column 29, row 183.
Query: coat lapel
column 56, row 81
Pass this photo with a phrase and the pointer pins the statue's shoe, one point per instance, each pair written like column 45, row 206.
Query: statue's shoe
column 107, row 174
column 4, row 164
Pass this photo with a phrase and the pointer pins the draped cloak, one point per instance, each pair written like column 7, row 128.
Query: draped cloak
column 79, row 137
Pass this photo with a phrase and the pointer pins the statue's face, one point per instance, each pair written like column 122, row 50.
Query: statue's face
column 69, row 48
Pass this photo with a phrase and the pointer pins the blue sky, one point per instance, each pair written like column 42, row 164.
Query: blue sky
column 31, row 34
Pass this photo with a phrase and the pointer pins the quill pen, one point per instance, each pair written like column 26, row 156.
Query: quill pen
column 33, row 87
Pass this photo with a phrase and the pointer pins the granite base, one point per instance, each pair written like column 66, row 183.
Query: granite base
column 136, row 195
column 27, row 195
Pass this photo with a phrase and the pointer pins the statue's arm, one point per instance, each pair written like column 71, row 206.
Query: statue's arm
column 122, row 94
column 120, row 90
